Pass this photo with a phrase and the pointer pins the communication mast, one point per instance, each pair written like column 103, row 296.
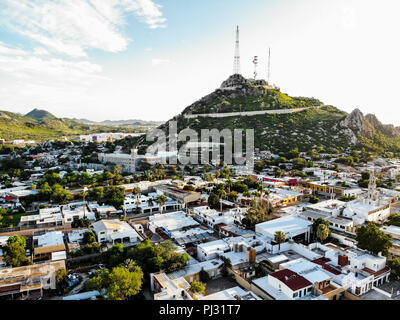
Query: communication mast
column 236, row 62
column 269, row 66
column 255, row 62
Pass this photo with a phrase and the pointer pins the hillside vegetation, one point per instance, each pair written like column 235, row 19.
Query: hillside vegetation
column 317, row 126
column 42, row 126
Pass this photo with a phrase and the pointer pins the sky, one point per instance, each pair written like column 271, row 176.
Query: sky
column 150, row 59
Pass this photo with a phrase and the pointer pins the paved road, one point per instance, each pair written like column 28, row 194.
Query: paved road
column 245, row 113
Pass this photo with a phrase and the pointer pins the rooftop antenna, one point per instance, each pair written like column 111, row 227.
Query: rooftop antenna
column 236, row 62
column 255, row 62
column 269, row 66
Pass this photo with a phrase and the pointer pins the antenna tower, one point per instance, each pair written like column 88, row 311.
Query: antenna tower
column 269, row 66
column 236, row 63
column 255, row 62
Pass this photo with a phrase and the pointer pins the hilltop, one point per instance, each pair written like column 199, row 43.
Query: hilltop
column 282, row 122
column 40, row 115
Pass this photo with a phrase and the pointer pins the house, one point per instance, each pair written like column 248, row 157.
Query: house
column 182, row 196
column 115, row 231
column 49, row 246
column 77, row 211
column 212, row 218
column 47, row 217
column 235, row 293
column 284, row 285
column 29, row 281
column 192, row 271
column 211, row 250
column 290, row 225
column 165, row 288
column 170, row 222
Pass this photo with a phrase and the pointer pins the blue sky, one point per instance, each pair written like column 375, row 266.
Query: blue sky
column 149, row 59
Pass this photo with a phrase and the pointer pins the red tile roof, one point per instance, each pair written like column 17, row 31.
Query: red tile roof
column 291, row 279
column 377, row 273
column 324, row 263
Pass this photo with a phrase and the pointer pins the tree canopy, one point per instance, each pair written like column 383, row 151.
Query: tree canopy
column 371, row 238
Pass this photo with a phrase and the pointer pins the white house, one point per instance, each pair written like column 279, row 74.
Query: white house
column 116, row 231
column 290, row 225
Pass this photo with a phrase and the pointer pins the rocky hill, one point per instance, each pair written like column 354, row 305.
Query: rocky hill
column 282, row 122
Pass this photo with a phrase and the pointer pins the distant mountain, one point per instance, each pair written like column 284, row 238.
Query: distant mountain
column 121, row 123
column 40, row 125
column 40, row 115
column 282, row 122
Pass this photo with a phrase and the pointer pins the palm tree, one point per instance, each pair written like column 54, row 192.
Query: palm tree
column 136, row 192
column 161, row 200
column 279, row 238
column 150, row 202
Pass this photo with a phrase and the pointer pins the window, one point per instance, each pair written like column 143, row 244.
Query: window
column 295, row 294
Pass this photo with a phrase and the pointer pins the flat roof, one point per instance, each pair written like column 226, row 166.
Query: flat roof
column 290, row 225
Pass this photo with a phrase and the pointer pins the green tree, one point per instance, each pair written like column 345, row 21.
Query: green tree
column 313, row 199
column 15, row 252
column 279, row 238
column 89, row 237
column 116, row 254
column 198, row 287
column 322, row 232
column 394, row 265
column 161, row 200
column 371, row 238
column 394, row 220
column 204, row 276
column 213, row 200
column 124, row 283
column 225, row 266
column 317, row 222
column 61, row 280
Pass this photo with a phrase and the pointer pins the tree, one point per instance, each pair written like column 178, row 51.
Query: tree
column 15, row 252
column 61, row 280
column 279, row 238
column 225, row 266
column 89, row 237
column 394, row 265
column 256, row 214
column 371, row 238
column 313, row 199
column 213, row 200
column 116, row 254
column 159, row 257
column 316, row 224
column 124, row 283
column 322, row 232
column 161, row 200
column 198, row 287
column 394, row 220
column 204, row 276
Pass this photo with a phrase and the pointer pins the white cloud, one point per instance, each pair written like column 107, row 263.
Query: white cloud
column 159, row 62
column 8, row 50
column 41, row 68
column 72, row 27
column 148, row 11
